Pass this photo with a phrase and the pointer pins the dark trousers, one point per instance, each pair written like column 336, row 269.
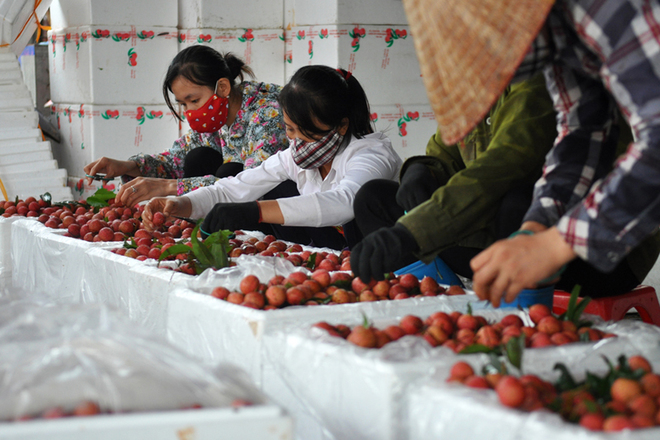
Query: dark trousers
column 205, row 161
column 375, row 207
column 327, row 236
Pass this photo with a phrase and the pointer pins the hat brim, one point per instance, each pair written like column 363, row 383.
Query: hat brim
column 468, row 51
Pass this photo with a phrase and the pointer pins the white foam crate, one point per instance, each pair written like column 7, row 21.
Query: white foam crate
column 5, row 247
column 386, row 67
column 23, row 119
column 37, row 156
column 261, row 49
column 69, row 13
column 25, row 148
column 8, row 135
column 361, row 393
column 18, row 23
column 262, row 422
column 9, row 77
column 46, row 261
column 222, row 15
column 316, row 12
column 32, row 167
column 90, row 132
column 110, row 64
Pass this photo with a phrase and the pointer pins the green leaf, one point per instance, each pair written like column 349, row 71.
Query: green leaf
column 46, row 197
column 100, row 198
column 311, row 263
column 174, row 250
column 565, row 381
column 478, row 348
column 365, row 321
column 469, row 308
column 202, row 253
column 515, row 348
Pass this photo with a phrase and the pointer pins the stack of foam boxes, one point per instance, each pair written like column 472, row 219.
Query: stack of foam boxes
column 107, row 63
column 371, row 39
column 27, row 167
column 251, row 29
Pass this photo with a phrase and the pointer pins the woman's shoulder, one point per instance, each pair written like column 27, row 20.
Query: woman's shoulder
column 256, row 88
column 377, row 139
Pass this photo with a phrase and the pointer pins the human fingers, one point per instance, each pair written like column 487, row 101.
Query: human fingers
column 171, row 207
column 482, row 258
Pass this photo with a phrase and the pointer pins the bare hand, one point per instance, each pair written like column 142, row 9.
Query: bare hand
column 510, row 265
column 144, row 188
column 111, row 168
column 169, row 206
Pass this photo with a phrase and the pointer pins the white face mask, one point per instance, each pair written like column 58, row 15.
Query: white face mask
column 316, row 154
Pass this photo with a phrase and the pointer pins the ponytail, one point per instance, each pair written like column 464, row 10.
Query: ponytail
column 204, row 66
column 329, row 96
column 237, row 69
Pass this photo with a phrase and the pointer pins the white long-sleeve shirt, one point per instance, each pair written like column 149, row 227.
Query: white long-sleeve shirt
column 322, row 202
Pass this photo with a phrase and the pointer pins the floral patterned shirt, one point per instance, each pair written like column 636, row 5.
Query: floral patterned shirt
column 257, row 132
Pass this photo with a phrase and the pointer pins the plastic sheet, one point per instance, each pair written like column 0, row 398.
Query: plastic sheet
column 5, row 248
column 64, row 354
column 361, row 393
column 440, row 410
column 44, row 260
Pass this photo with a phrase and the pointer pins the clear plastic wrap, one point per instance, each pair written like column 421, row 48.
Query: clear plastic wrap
column 62, row 355
column 46, row 261
column 361, row 393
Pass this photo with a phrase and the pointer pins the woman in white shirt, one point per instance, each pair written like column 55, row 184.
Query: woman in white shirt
column 304, row 193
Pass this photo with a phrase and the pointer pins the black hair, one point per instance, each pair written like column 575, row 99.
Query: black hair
column 204, row 66
column 322, row 94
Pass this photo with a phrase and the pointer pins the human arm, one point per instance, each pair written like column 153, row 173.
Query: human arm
column 111, row 168
column 169, row 164
column 522, row 130
column 510, row 265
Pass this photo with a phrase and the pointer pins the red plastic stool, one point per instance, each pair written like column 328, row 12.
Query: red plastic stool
column 614, row 308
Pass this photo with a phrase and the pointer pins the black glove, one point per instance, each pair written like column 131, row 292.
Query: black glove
column 417, row 186
column 231, row 216
column 382, row 252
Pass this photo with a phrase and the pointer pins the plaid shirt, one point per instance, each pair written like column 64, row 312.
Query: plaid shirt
column 597, row 55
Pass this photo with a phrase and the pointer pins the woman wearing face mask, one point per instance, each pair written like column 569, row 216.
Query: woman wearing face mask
column 235, row 124
column 305, row 193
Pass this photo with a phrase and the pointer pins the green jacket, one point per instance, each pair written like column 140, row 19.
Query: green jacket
column 507, row 148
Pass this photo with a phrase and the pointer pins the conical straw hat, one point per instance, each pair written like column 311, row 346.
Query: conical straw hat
column 468, row 50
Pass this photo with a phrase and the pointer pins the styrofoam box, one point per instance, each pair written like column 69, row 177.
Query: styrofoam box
column 409, row 127
column 313, row 12
column 386, row 66
column 261, row 49
column 43, row 260
column 5, row 246
column 69, row 13
column 15, row 98
column 220, row 331
column 225, row 15
column 250, row 423
column 360, row 393
column 110, row 64
column 90, row 132
column 437, row 409
column 23, row 119
column 18, row 23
